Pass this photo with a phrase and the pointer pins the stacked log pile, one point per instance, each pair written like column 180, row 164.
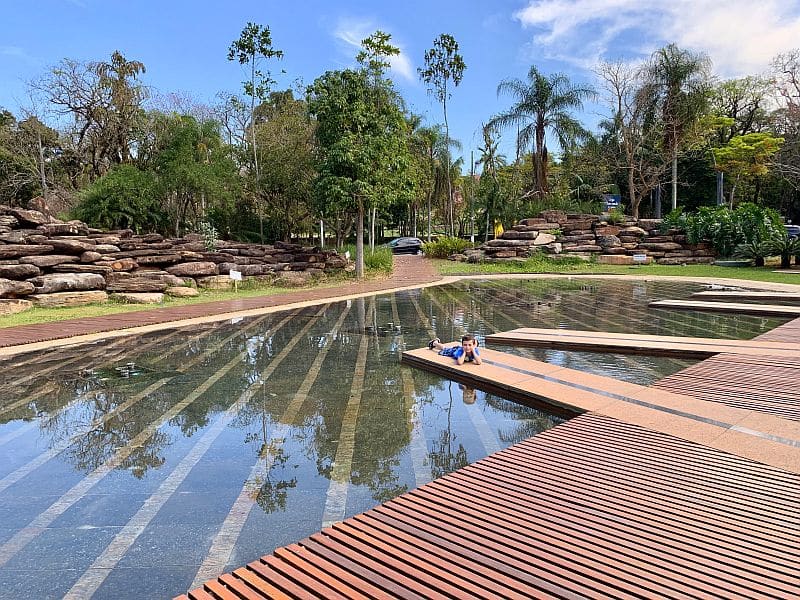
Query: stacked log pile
column 558, row 232
column 54, row 263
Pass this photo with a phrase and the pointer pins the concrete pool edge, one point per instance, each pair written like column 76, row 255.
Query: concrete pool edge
column 69, row 340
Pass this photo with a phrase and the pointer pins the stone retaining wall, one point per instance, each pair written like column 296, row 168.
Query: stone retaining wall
column 53, row 263
column 559, row 233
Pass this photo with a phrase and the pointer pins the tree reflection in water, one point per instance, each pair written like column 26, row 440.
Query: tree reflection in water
column 443, row 458
column 527, row 421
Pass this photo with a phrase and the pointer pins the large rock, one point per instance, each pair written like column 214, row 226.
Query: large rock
column 73, row 268
column 120, row 264
column 215, row 282
column 138, row 298
column 12, row 306
column 633, row 230
column 608, row 241
column 181, row 292
column 661, row 247
column 48, row 260
column 29, row 217
column 69, row 228
column 193, row 269
column 8, row 221
column 293, row 279
column 89, row 256
column 69, row 298
column 63, row 282
column 105, row 248
column 136, row 284
column 17, row 250
column 543, row 239
column 12, row 289
column 70, row 246
column 161, row 259
column 18, row 271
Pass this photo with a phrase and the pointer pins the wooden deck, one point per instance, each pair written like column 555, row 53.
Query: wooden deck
column 592, row 508
column 767, row 310
column 649, row 494
column 747, row 295
column 627, row 343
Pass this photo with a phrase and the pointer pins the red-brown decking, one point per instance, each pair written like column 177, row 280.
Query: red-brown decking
column 633, row 343
column 407, row 271
column 597, row 507
column 768, row 310
column 747, row 295
column 766, row 384
column 594, row 508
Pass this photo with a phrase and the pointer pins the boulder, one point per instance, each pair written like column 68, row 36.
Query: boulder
column 31, row 218
column 160, row 259
column 136, row 284
column 138, row 298
column 584, row 248
column 70, row 246
column 661, row 247
column 8, row 221
column 11, row 289
column 62, row 282
column 48, row 260
column 121, row 264
column 554, row 248
column 70, row 228
column 638, row 231
column 551, row 216
column 73, row 268
column 543, row 239
column 215, row 282
column 106, row 248
column 181, row 292
column 293, row 279
column 194, row 269
column 608, row 241
column 68, row 298
column 16, row 250
column 90, row 256
column 12, row 306
column 18, row 271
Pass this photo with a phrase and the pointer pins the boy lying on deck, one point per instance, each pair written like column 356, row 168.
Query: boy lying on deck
column 466, row 352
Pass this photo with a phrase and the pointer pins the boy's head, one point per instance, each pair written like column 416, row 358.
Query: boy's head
column 468, row 342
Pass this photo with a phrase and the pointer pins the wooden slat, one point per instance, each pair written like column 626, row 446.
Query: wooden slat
column 770, row 310
column 651, row 345
column 747, row 295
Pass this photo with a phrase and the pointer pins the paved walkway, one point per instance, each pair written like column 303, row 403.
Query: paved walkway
column 409, row 271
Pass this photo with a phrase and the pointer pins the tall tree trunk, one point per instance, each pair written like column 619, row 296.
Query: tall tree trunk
column 430, row 193
column 657, row 208
column 635, row 200
column 360, row 240
column 675, row 178
column 41, row 166
column 720, row 186
column 447, row 172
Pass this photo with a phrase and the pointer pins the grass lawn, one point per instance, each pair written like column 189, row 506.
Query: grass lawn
column 246, row 290
column 580, row 267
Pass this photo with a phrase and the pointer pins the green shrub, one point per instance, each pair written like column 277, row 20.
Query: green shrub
column 445, row 247
column 379, row 260
column 674, row 220
column 616, row 215
column 725, row 229
column 780, row 244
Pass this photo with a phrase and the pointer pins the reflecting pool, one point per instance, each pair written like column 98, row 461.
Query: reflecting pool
column 133, row 467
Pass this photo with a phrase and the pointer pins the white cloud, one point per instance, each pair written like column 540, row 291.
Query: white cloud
column 740, row 36
column 352, row 31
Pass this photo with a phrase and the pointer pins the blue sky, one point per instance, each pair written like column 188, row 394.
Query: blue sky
column 184, row 44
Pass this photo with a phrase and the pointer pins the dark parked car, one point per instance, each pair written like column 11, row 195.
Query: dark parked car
column 406, row 245
column 793, row 231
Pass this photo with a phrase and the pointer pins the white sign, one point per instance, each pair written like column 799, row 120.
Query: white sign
column 347, row 255
column 236, row 275
column 640, row 258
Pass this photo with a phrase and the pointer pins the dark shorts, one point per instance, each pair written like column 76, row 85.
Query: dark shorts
column 450, row 351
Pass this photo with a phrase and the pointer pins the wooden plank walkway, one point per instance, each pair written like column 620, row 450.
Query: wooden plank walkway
column 658, row 497
column 769, row 310
column 756, row 383
column 747, row 295
column 592, row 508
column 631, row 343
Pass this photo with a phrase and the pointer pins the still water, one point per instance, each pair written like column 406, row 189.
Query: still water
column 133, row 467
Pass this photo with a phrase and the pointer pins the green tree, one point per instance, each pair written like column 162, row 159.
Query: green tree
column 678, row 83
column 361, row 145
column 542, row 104
column 747, row 156
column 252, row 48
column 443, row 63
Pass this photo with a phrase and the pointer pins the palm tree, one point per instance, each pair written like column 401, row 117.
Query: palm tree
column 680, row 93
column 436, row 148
column 542, row 103
column 491, row 162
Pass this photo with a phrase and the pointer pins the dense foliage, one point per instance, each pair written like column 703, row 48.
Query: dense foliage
column 345, row 155
column 444, row 247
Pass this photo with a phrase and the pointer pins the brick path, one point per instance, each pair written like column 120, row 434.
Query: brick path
column 408, row 271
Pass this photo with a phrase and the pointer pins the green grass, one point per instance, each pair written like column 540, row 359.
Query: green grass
column 248, row 289
column 377, row 262
column 546, row 265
